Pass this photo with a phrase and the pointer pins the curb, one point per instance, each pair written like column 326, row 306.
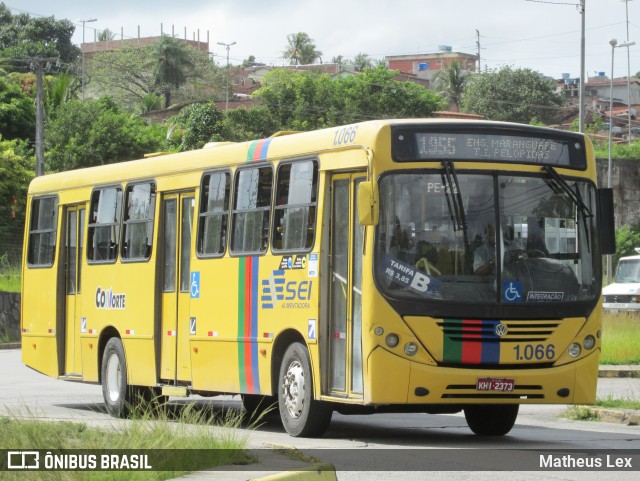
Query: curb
column 320, row 472
column 10, row 345
column 619, row 416
column 612, row 372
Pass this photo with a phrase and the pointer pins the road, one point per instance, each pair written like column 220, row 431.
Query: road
column 30, row 394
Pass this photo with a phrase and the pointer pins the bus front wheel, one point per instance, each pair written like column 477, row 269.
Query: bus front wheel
column 115, row 390
column 301, row 415
column 491, row 420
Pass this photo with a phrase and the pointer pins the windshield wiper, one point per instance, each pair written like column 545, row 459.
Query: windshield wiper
column 453, row 188
column 574, row 196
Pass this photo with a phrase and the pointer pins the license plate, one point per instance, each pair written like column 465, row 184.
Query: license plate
column 494, row 384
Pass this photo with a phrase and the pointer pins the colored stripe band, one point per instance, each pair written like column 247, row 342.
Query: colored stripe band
column 248, row 324
column 471, row 341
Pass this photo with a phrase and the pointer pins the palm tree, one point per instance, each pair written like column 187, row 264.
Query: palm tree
column 362, row 62
column 301, row 49
column 449, row 82
column 171, row 59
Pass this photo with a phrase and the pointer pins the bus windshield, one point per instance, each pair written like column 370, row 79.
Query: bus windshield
column 486, row 238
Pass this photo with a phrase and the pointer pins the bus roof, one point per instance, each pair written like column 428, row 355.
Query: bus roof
column 228, row 153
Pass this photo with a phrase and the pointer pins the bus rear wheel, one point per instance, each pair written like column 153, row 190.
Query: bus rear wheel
column 301, row 415
column 491, row 420
column 115, row 390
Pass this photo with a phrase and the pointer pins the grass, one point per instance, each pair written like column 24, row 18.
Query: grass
column 620, row 338
column 170, row 428
column 625, row 403
column 579, row 413
column 9, row 275
column 8, row 335
column 588, row 413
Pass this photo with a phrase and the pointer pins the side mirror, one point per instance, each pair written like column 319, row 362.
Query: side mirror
column 606, row 222
column 367, row 204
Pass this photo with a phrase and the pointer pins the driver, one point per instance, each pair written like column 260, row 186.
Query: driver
column 484, row 255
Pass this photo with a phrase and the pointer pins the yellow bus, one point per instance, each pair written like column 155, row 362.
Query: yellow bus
column 399, row 265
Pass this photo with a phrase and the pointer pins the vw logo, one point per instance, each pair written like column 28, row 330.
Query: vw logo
column 501, row 329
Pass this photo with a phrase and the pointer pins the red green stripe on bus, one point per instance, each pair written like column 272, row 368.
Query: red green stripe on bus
column 248, row 324
column 471, row 341
column 258, row 150
column 248, row 301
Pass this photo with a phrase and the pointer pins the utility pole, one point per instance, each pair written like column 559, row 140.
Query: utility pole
column 626, row 4
column 228, row 45
column 478, row 46
column 39, row 65
column 82, row 48
column 582, row 77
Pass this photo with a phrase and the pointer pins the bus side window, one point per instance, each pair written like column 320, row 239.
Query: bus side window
column 137, row 227
column 295, row 210
column 42, row 231
column 215, row 191
column 251, row 210
column 104, row 224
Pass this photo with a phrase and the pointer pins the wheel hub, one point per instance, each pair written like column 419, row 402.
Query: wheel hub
column 293, row 389
column 114, row 377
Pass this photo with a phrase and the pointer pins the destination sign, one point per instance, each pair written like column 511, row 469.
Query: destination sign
column 489, row 147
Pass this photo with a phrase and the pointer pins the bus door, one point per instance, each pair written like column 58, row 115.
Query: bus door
column 74, row 221
column 177, row 218
column 345, row 311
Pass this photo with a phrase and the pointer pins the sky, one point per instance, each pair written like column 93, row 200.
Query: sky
column 543, row 35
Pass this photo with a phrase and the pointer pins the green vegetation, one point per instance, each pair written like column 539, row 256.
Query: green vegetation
column 514, row 95
column 625, row 403
column 9, row 278
column 590, row 413
column 618, row 151
column 186, row 427
column 7, row 336
column 620, row 335
column 579, row 413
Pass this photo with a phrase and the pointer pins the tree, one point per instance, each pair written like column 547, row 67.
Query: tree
column 375, row 94
column 16, row 171
column 301, row 50
column 449, row 82
column 17, row 112
column 96, row 132
column 58, row 90
column 362, row 62
column 627, row 238
column 106, row 35
column 195, row 125
column 248, row 124
column 309, row 100
column 171, row 61
column 515, row 95
column 22, row 36
column 126, row 74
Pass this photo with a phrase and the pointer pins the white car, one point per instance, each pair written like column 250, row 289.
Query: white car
column 624, row 293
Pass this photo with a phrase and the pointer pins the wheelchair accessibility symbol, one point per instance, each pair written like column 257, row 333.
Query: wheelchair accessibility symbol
column 195, row 285
column 512, row 291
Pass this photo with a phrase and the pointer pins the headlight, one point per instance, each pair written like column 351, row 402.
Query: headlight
column 410, row 348
column 392, row 340
column 589, row 342
column 575, row 349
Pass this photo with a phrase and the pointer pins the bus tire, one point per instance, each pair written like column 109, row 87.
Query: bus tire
column 301, row 415
column 491, row 420
column 115, row 390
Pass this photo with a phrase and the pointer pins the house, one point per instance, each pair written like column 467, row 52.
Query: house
column 602, row 95
column 426, row 66
column 90, row 48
